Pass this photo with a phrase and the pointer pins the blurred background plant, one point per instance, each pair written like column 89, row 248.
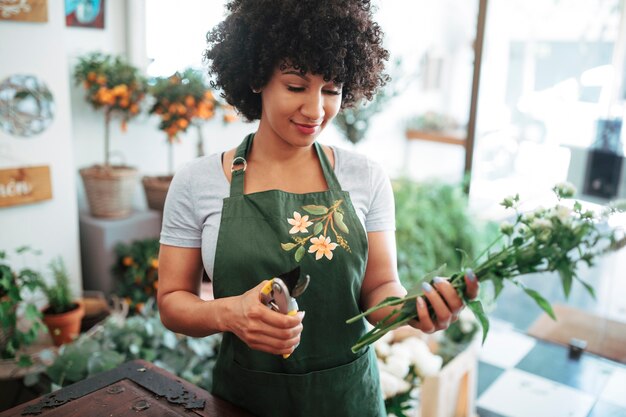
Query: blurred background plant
column 112, row 84
column 182, row 100
column 118, row 340
column 434, row 226
column 354, row 122
column 20, row 320
column 136, row 272
column 58, row 292
column 432, row 122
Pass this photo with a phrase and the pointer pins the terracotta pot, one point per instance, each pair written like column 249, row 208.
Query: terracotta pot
column 64, row 327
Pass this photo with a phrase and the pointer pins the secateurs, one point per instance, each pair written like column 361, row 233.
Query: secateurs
column 280, row 292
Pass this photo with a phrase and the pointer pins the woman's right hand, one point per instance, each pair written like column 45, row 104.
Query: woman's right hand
column 262, row 328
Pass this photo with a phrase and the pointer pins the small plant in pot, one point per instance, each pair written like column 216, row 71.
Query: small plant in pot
column 117, row 88
column 13, row 309
column 182, row 100
column 63, row 313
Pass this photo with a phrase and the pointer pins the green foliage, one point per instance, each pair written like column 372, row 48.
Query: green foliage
column 433, row 227
column 12, row 284
column 116, row 341
column 136, row 272
column 58, row 292
column 354, row 122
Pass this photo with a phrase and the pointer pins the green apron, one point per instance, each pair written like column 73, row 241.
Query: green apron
column 267, row 233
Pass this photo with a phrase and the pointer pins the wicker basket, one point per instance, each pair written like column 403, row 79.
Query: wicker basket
column 109, row 190
column 156, row 190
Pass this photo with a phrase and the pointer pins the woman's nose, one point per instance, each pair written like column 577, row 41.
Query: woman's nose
column 313, row 107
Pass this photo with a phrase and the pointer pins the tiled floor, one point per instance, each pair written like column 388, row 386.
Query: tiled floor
column 520, row 376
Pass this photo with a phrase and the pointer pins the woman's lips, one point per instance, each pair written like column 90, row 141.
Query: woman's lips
column 306, row 129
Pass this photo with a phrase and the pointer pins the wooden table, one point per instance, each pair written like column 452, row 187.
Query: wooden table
column 135, row 388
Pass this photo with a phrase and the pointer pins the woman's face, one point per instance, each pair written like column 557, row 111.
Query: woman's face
column 296, row 108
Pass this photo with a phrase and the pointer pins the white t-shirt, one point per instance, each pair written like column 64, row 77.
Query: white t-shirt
column 193, row 208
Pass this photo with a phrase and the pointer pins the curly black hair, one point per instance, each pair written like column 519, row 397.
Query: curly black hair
column 336, row 39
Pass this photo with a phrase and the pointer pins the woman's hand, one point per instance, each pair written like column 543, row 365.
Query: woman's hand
column 262, row 328
column 445, row 302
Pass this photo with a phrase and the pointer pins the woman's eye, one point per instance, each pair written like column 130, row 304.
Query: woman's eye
column 333, row 92
column 296, row 89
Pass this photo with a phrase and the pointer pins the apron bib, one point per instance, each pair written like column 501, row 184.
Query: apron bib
column 267, row 233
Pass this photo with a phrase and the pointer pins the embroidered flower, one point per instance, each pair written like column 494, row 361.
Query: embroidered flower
column 299, row 223
column 323, row 247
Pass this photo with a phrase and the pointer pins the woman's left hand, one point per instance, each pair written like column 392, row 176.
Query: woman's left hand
column 445, row 301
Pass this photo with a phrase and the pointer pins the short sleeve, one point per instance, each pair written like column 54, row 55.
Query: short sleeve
column 381, row 213
column 180, row 226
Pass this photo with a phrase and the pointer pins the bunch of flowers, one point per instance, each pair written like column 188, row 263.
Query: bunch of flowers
column 111, row 84
column 137, row 272
column 545, row 240
column 406, row 357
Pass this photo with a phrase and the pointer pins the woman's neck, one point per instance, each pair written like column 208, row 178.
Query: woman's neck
column 267, row 147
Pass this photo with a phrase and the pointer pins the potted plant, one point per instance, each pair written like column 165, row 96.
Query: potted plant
column 117, row 88
column 64, row 313
column 13, row 309
column 182, row 100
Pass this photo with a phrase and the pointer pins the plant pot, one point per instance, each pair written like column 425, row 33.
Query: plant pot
column 64, row 327
column 109, row 190
column 156, row 190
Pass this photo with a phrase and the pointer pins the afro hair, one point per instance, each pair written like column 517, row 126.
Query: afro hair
column 336, row 39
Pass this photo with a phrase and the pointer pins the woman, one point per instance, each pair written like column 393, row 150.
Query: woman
column 281, row 200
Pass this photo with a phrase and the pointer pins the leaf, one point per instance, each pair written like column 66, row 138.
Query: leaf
column 339, row 222
column 288, row 246
column 588, row 287
column 313, row 209
column 567, row 277
column 299, row 253
column 417, row 288
column 317, row 229
column 498, row 285
column 24, row 361
column 477, row 308
column 541, row 302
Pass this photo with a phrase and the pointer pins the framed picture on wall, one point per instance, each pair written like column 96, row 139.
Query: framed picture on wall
column 84, row 13
column 24, row 10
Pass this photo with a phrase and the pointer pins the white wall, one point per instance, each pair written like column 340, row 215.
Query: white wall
column 50, row 226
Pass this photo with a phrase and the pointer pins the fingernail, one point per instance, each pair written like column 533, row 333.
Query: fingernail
column 420, row 302
column 427, row 287
column 470, row 275
column 439, row 280
column 302, row 313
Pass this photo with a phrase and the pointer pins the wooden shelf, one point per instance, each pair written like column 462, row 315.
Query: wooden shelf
column 440, row 137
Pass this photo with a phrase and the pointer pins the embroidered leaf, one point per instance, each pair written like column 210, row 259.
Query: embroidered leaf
column 313, row 209
column 288, row 246
column 340, row 224
column 299, row 254
column 317, row 229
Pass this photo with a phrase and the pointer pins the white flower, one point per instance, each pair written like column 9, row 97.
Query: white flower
column 382, row 349
column 564, row 214
column 392, row 385
column 398, row 365
column 541, row 224
column 506, row 228
column 565, row 189
column 467, row 320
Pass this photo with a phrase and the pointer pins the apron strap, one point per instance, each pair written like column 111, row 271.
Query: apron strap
column 329, row 173
column 236, row 182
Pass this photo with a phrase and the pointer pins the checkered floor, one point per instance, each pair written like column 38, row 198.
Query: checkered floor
column 520, row 376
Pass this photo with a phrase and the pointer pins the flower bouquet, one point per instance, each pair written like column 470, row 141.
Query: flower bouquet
column 116, row 87
column 545, row 240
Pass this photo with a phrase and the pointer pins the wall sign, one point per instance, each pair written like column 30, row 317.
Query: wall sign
column 24, row 185
column 84, row 13
column 24, row 10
